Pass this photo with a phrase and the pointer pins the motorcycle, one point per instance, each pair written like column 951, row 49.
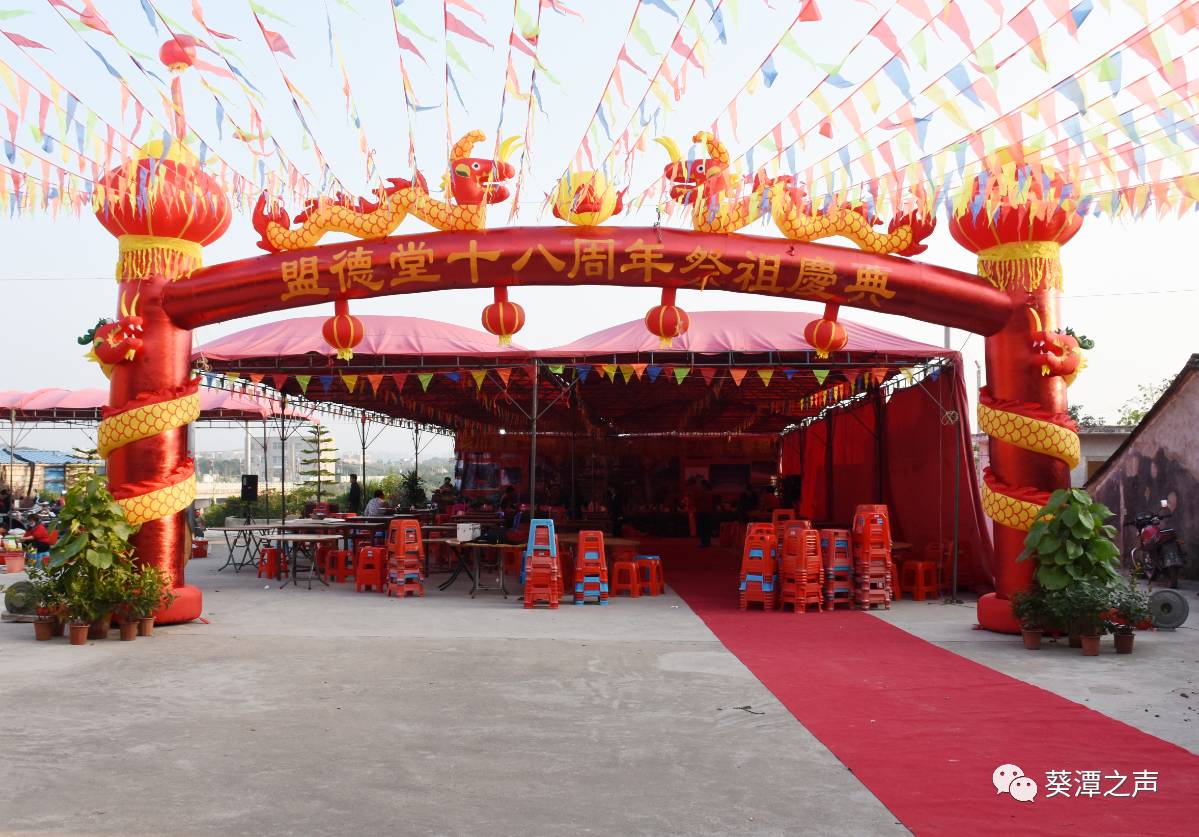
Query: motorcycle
column 1159, row 552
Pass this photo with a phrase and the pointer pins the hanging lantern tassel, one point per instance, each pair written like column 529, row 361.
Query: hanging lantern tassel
column 826, row 335
column 666, row 320
column 342, row 331
column 503, row 318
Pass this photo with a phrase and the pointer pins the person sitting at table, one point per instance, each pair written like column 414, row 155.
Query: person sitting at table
column 375, row 506
column 509, row 504
column 445, row 494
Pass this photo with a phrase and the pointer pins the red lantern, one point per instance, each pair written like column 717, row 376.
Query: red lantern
column 178, row 53
column 342, row 331
column 826, row 335
column 666, row 320
column 503, row 318
column 1017, row 223
column 163, row 210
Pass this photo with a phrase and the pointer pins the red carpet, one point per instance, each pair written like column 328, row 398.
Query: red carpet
column 924, row 728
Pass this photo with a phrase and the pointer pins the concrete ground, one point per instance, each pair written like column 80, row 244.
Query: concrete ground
column 330, row 712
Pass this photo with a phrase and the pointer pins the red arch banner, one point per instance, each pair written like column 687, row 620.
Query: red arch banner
column 623, row 256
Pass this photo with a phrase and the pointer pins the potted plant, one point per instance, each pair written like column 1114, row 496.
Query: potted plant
column 412, row 490
column 1092, row 601
column 152, row 594
column 79, row 602
column 48, row 602
column 1030, row 609
column 1130, row 608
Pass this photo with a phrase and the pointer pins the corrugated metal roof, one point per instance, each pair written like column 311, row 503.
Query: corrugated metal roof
column 36, row 456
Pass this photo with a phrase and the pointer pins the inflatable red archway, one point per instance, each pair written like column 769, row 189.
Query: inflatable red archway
column 164, row 294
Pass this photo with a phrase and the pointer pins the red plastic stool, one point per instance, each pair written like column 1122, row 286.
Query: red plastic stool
column 624, row 579
column 919, row 579
column 268, row 562
column 370, row 568
column 649, row 575
column 338, row 562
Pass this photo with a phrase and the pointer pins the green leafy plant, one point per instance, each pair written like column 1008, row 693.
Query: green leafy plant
column 1091, row 601
column 151, row 591
column 1031, row 609
column 47, row 589
column 1129, row 608
column 92, row 526
column 412, row 489
column 1071, row 543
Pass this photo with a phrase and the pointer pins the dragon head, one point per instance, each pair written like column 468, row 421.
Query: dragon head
column 474, row 180
column 709, row 175
column 117, row 342
column 1058, row 355
column 587, row 199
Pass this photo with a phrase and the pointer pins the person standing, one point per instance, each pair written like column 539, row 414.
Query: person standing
column 704, row 506
column 355, row 498
column 615, row 503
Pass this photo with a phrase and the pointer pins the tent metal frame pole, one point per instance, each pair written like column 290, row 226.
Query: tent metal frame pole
column 828, row 470
column 533, row 441
column 957, row 502
column 362, row 438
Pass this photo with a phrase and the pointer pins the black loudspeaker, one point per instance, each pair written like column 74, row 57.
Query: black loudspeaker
column 249, row 488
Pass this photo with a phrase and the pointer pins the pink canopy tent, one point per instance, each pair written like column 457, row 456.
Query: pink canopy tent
column 292, row 342
column 868, row 424
column 86, row 405
column 743, row 332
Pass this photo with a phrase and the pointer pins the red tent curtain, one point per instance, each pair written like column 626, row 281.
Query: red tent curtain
column 917, row 480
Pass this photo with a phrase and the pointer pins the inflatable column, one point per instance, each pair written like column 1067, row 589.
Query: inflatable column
column 162, row 209
column 1016, row 221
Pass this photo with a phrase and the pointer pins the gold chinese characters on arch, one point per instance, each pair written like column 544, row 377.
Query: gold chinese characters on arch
column 729, row 263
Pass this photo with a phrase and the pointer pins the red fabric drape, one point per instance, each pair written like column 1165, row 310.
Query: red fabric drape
column 917, row 479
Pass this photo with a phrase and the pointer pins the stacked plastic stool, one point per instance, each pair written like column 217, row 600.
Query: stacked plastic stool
column 838, row 568
column 405, row 559
column 872, row 557
column 649, row 575
column 759, row 567
column 801, row 569
column 370, row 569
column 591, row 569
column 542, row 578
column 337, row 566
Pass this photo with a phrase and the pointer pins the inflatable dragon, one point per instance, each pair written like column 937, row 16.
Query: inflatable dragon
column 713, row 190
column 473, row 182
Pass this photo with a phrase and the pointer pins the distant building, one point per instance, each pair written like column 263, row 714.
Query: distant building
column 28, row 471
column 1159, row 461
column 1098, row 443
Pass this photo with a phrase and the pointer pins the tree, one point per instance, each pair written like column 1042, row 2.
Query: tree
column 319, row 462
column 1084, row 419
column 1135, row 408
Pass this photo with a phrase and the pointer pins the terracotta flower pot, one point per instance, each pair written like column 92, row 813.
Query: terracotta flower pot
column 129, row 630
column 145, row 626
column 43, row 629
column 57, row 626
column 1124, row 643
column 100, row 628
column 79, row 633
column 14, row 563
column 1075, row 640
column 1032, row 638
column 1090, row 646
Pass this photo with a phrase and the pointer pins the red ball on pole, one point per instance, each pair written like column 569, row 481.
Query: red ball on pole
column 826, row 335
column 342, row 331
column 666, row 320
column 503, row 318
